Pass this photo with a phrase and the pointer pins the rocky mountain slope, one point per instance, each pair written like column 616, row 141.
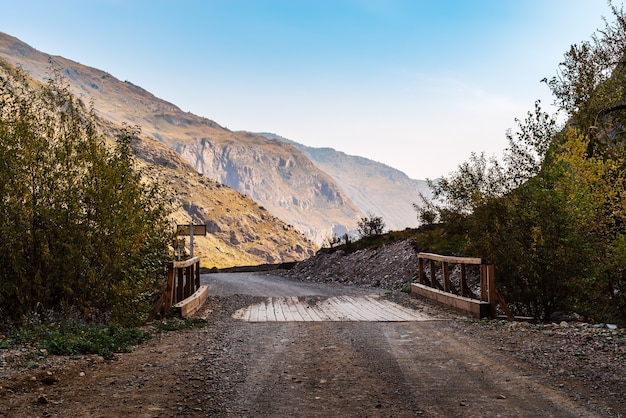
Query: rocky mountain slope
column 374, row 187
column 241, row 232
column 276, row 175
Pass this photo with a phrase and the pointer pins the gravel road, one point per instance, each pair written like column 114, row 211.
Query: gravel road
column 448, row 366
column 375, row 368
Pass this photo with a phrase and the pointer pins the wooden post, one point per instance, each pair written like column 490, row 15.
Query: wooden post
column 433, row 279
column 484, row 296
column 463, row 281
column 420, row 271
column 191, row 228
column 180, row 290
column 446, row 277
column 188, row 281
column 491, row 290
column 197, row 276
column 169, row 289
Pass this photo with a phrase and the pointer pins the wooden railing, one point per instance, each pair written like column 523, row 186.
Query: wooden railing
column 459, row 296
column 183, row 280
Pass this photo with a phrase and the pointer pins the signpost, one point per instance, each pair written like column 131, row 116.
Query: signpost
column 190, row 230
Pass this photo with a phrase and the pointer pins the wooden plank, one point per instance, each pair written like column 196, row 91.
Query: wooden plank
column 186, row 263
column 247, row 314
column 392, row 310
column 261, row 312
column 290, row 315
column 446, row 276
column 188, row 282
column 370, row 311
column 331, row 313
column 279, row 311
column 180, row 291
column 190, row 305
column 463, row 281
column 484, row 295
column 351, row 309
column 271, row 316
column 186, row 230
column 433, row 277
column 382, row 313
column 313, row 312
column 450, row 258
column 293, row 308
column 305, row 312
column 340, row 308
column 478, row 309
column 505, row 307
column 197, row 273
column 420, row 272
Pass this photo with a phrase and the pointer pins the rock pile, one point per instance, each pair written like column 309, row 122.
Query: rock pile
column 392, row 266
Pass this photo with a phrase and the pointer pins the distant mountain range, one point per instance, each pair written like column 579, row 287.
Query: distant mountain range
column 319, row 192
column 375, row 188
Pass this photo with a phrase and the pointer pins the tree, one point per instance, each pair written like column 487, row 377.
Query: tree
column 79, row 226
column 551, row 216
column 370, row 225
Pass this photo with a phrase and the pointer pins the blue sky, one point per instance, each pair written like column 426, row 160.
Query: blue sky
column 415, row 84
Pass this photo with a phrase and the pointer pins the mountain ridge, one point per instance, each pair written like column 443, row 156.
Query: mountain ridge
column 300, row 194
column 321, row 192
column 242, row 232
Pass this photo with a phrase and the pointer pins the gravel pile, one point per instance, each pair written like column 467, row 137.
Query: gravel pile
column 392, row 267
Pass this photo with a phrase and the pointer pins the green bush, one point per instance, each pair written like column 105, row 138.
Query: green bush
column 79, row 224
column 68, row 333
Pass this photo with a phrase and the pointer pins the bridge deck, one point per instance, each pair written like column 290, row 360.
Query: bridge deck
column 337, row 308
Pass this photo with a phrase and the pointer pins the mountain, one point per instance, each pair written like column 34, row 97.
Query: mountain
column 240, row 231
column 275, row 174
column 375, row 188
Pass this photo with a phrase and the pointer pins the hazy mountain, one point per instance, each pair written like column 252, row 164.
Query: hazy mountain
column 374, row 187
column 273, row 173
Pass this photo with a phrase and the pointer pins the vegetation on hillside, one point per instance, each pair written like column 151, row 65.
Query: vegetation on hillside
column 80, row 228
column 551, row 214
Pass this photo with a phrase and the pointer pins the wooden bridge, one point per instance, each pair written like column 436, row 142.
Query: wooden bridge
column 457, row 293
column 183, row 292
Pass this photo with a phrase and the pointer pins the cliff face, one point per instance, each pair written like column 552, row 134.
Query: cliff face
column 239, row 231
column 275, row 175
column 285, row 181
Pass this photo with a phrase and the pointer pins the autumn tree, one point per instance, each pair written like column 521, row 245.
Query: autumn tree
column 550, row 215
column 79, row 226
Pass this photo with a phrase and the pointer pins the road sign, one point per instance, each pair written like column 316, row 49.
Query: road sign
column 191, row 230
column 186, row 230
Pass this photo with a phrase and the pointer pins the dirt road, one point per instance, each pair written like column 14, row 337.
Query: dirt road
column 234, row 368
column 400, row 369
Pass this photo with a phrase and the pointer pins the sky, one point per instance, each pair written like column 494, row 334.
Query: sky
column 415, row 84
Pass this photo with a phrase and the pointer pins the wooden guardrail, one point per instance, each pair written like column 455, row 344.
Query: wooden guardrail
column 183, row 283
column 460, row 296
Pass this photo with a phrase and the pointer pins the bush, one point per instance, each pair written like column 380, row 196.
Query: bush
column 79, row 225
column 370, row 225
